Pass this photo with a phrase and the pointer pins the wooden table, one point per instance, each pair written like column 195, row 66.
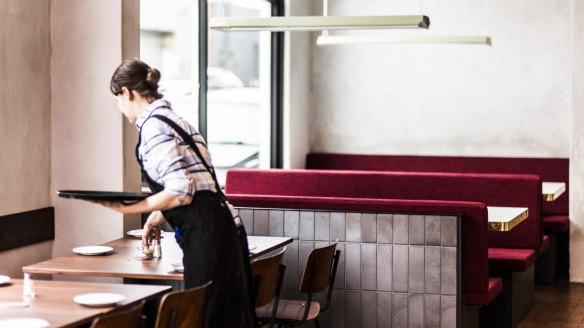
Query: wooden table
column 126, row 261
column 54, row 300
column 505, row 218
column 552, row 190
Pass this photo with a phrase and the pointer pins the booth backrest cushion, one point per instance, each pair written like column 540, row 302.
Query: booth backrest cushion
column 550, row 169
column 491, row 189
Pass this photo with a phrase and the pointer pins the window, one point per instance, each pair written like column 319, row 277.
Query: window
column 238, row 112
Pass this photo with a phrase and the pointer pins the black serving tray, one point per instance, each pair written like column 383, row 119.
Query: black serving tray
column 113, row 196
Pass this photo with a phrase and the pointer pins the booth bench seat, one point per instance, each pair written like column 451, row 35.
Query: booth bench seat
column 556, row 221
column 388, row 248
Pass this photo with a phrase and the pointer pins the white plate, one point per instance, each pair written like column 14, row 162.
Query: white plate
column 4, row 279
column 251, row 247
column 92, row 250
column 24, row 323
column 178, row 267
column 138, row 233
column 99, row 299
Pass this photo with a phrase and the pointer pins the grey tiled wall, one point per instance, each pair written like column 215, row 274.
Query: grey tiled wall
column 395, row 270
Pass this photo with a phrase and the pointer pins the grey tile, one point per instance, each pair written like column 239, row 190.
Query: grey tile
column 369, row 225
column 322, row 226
column 432, row 270
column 247, row 218
column 416, row 229
column 400, row 268
column 337, row 226
column 399, row 310
column 384, row 267
column 291, row 262
column 368, row 266
column 384, row 310
column 368, row 310
column 432, row 311
column 353, row 266
column 340, row 277
column 260, row 223
column 291, row 219
column 432, row 223
column 306, row 230
column 353, row 226
column 338, row 308
column 416, row 311
column 448, row 233
column 385, row 228
column 353, row 314
column 416, row 269
column 400, row 229
column 276, row 223
column 304, row 249
column 448, row 311
column 448, row 270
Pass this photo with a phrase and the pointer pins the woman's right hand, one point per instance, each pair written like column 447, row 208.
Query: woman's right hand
column 151, row 228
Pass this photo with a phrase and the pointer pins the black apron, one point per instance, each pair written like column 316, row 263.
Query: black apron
column 214, row 248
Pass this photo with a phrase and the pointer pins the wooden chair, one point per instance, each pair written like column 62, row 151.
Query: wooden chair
column 128, row 317
column 183, row 308
column 319, row 274
column 267, row 276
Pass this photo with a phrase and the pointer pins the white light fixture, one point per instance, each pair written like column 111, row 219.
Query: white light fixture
column 317, row 23
column 327, row 40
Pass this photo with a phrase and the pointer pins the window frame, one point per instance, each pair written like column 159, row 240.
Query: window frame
column 276, row 83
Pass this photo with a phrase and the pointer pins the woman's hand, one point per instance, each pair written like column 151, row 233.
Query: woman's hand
column 151, row 228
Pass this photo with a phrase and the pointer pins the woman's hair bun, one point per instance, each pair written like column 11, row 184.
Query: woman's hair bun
column 153, row 77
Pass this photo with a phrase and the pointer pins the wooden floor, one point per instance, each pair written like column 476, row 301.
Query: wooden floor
column 558, row 305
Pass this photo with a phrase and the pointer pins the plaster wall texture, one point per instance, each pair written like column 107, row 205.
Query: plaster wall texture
column 297, row 85
column 511, row 99
column 577, row 152
column 24, row 119
column 89, row 133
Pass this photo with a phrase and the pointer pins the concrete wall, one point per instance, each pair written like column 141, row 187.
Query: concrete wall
column 577, row 150
column 511, row 99
column 92, row 142
column 24, row 120
column 297, row 88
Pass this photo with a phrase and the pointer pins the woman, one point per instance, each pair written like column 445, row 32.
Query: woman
column 177, row 166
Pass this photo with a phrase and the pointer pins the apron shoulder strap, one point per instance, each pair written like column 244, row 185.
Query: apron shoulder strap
column 189, row 140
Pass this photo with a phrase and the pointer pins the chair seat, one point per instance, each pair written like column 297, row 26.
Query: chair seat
column 289, row 310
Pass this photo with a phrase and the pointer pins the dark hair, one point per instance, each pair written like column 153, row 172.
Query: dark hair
column 136, row 75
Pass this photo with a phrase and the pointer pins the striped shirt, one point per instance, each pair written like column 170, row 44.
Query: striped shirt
column 166, row 158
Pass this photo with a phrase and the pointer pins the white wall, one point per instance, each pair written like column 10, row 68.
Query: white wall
column 297, row 88
column 92, row 142
column 24, row 120
column 511, row 99
column 577, row 151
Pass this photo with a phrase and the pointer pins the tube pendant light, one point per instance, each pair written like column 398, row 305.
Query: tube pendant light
column 328, row 40
column 317, row 23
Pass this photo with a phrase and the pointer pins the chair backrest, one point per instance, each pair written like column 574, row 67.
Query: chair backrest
column 183, row 308
column 128, row 317
column 318, row 270
column 267, row 278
